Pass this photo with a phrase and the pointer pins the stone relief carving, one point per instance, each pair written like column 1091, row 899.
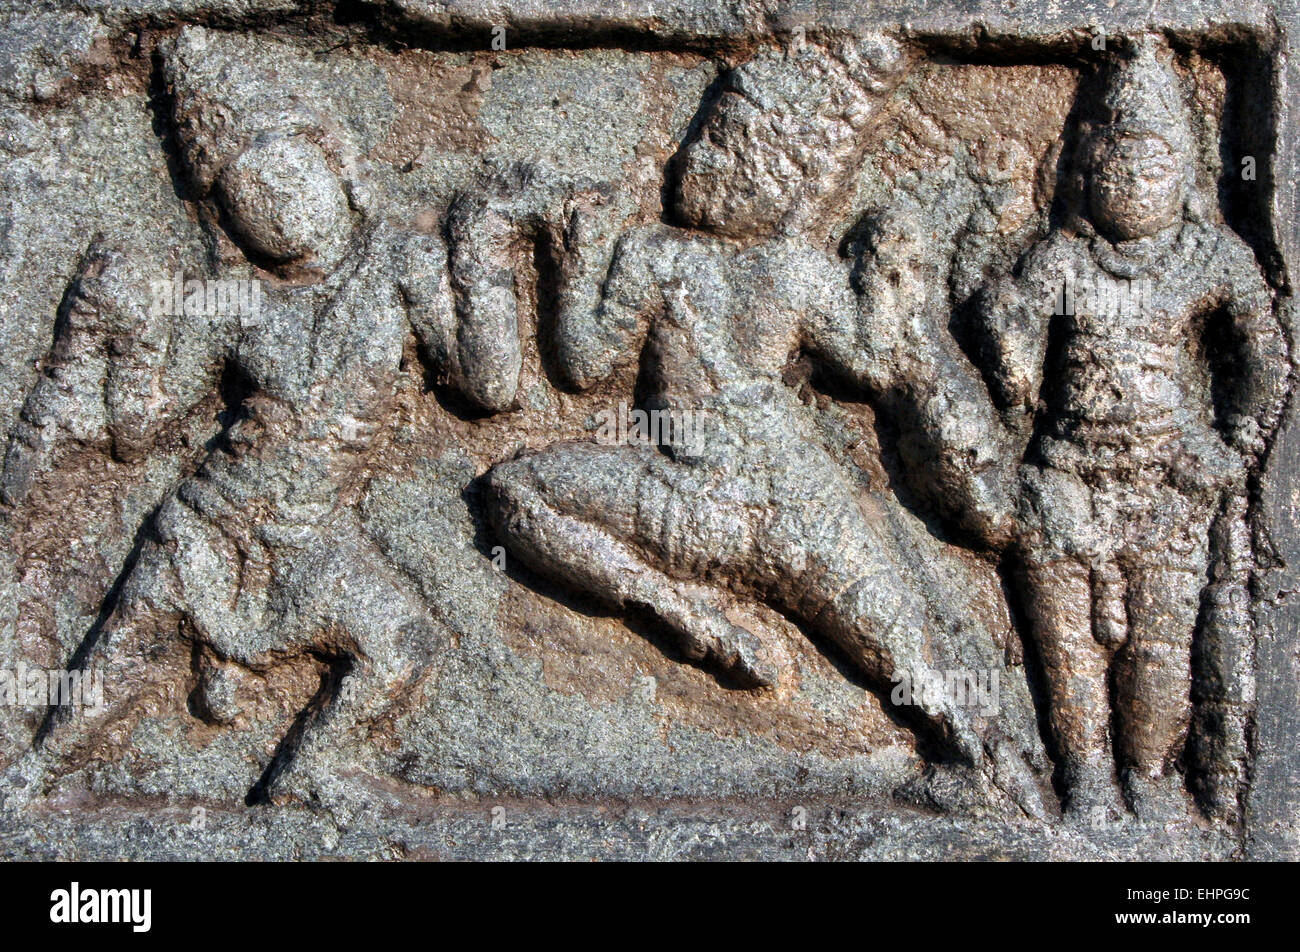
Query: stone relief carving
column 1128, row 470
column 1065, row 367
column 760, row 508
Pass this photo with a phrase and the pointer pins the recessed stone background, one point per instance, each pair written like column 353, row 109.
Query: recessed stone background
column 590, row 731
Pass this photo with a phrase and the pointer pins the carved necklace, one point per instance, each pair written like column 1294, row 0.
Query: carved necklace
column 1130, row 259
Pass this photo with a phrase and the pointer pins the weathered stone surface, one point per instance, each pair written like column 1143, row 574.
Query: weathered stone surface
column 971, row 335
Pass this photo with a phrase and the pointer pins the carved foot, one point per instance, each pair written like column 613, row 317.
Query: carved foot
column 1006, row 785
column 1013, row 776
column 948, row 788
column 1158, row 799
column 705, row 634
column 1092, row 794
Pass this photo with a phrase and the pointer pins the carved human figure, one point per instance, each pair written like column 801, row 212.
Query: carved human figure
column 259, row 553
column 714, row 309
column 1129, row 458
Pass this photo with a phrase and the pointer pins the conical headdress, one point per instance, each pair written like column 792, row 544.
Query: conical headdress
column 1143, row 97
column 226, row 96
column 820, row 96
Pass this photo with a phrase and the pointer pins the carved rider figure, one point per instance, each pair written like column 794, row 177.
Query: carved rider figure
column 714, row 311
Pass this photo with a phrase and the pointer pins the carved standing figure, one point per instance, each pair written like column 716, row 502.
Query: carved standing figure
column 1129, row 458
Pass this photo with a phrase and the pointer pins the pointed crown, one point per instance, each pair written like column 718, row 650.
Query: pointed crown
column 1144, row 97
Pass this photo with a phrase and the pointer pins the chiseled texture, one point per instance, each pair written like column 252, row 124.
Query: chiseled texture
column 982, row 343
column 1126, row 471
column 759, row 506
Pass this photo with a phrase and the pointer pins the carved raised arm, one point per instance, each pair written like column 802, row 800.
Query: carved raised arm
column 886, row 340
column 605, row 296
column 426, row 291
column 486, row 228
column 102, row 379
column 485, row 353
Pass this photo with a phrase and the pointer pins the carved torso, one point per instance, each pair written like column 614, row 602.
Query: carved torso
column 1130, row 389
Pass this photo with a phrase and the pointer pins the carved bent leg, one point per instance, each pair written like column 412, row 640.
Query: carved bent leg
column 212, row 577
column 634, row 529
column 827, row 564
column 1153, row 682
column 576, row 513
column 1060, row 609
